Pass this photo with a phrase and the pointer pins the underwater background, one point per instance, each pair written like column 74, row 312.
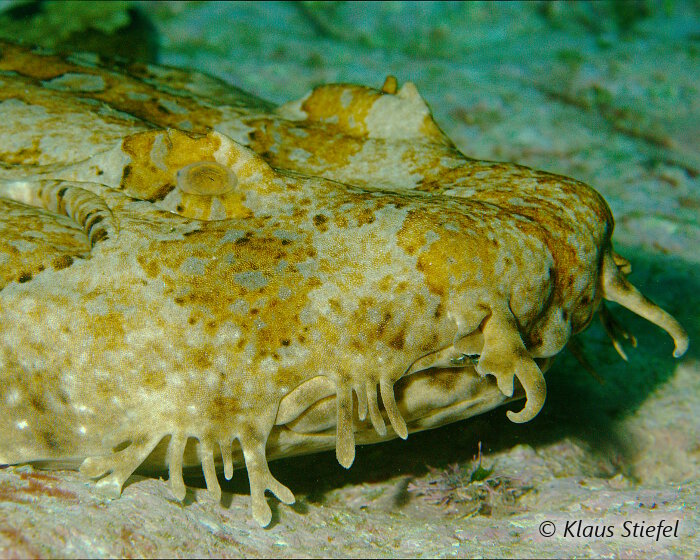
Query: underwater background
column 605, row 92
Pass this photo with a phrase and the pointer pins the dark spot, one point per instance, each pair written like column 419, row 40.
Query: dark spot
column 433, row 340
column 320, row 222
column 161, row 192
column 384, row 322
column 585, row 300
column 285, row 342
column 191, row 320
column 49, row 439
column 179, row 300
column 366, row 216
column 398, row 341
column 335, row 306
column 24, row 277
column 179, row 208
column 100, row 172
column 125, row 175
column 286, row 242
column 564, row 315
column 254, row 311
column 438, row 311
column 61, row 192
column 37, row 404
column 446, row 379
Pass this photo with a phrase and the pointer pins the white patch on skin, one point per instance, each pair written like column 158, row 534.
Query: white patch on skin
column 300, row 155
column 159, row 151
column 346, row 98
column 217, row 210
column 284, row 293
column 76, row 82
column 240, row 307
column 137, row 96
column 251, row 280
column 398, row 116
column 23, row 116
column 232, row 235
column 172, row 106
column 194, row 265
column 293, row 110
column 12, row 397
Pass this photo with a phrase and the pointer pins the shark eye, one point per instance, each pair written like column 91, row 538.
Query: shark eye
column 206, row 178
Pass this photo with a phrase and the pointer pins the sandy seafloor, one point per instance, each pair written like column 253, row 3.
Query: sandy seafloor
column 605, row 93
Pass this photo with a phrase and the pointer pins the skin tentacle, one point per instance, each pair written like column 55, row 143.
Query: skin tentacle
column 616, row 288
column 120, row 465
column 345, row 439
column 504, row 356
column 261, row 479
column 176, row 450
column 205, row 452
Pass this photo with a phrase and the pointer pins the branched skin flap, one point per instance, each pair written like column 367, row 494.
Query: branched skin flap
column 190, row 276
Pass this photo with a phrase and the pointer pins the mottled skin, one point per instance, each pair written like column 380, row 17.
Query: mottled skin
column 189, row 275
